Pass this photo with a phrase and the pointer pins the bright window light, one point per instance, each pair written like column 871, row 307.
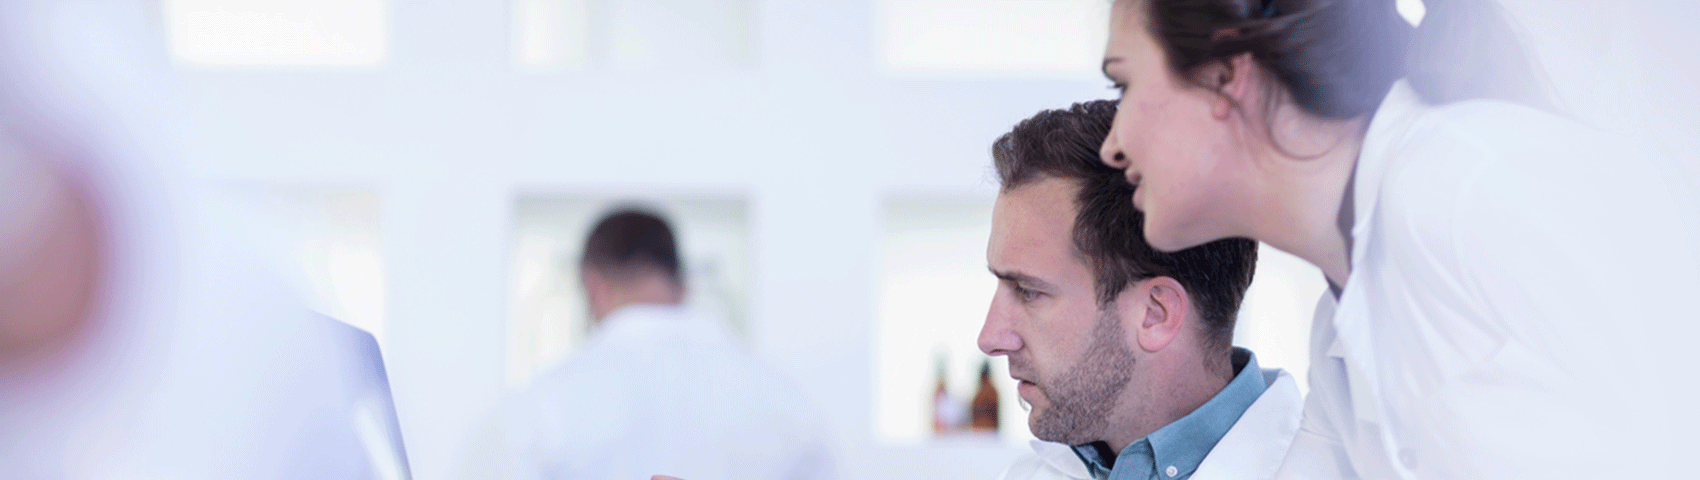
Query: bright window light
column 1020, row 37
column 1276, row 313
column 1412, row 10
column 551, row 33
column 326, row 243
column 277, row 33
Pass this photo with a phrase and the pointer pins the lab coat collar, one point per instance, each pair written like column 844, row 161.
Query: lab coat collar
column 1060, row 457
column 1258, row 442
column 1385, row 137
column 643, row 323
column 1185, row 443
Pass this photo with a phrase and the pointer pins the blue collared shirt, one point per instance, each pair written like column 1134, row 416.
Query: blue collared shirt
column 1174, row 451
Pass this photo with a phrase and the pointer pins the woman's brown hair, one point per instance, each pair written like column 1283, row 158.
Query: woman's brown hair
column 1338, row 58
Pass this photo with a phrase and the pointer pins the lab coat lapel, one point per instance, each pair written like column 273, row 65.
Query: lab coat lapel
column 1354, row 333
column 1254, row 447
column 1353, row 338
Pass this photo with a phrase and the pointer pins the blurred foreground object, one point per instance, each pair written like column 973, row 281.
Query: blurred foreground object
column 136, row 340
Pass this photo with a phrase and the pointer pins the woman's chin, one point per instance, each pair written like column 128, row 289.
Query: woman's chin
column 1170, row 240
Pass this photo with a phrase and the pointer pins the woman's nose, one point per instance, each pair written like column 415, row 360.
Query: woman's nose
column 1111, row 152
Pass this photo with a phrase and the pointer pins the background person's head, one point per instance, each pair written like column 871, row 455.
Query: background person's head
column 1228, row 102
column 1102, row 330
column 630, row 258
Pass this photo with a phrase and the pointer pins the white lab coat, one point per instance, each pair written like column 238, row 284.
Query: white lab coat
column 661, row 390
column 1251, row 450
column 1518, row 305
column 1049, row 461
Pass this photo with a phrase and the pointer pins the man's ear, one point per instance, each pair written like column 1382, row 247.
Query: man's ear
column 1165, row 314
column 1233, row 79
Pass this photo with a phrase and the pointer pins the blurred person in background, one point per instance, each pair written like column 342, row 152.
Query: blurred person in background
column 1125, row 353
column 1510, row 289
column 658, row 388
column 136, row 340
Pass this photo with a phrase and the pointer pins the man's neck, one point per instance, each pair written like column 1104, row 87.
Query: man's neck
column 647, row 290
column 1183, row 441
column 1177, row 392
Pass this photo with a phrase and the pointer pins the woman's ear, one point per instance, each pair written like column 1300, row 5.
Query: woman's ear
column 1165, row 314
column 1233, row 80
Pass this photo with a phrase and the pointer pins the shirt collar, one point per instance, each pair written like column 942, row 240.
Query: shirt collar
column 1385, row 136
column 642, row 323
column 1184, row 443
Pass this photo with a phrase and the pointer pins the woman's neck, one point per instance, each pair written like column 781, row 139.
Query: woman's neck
column 1308, row 191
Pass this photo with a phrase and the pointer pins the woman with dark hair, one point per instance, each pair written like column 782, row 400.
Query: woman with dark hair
column 1507, row 286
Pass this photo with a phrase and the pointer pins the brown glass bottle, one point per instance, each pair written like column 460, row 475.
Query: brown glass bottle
column 984, row 409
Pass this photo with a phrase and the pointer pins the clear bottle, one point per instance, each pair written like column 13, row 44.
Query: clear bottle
column 944, row 409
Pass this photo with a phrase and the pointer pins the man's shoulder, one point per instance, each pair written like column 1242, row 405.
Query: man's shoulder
column 1254, row 447
column 1274, row 415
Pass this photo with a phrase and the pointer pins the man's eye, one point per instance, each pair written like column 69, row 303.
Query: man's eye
column 1025, row 295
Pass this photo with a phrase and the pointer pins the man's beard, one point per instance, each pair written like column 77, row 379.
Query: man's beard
column 1082, row 397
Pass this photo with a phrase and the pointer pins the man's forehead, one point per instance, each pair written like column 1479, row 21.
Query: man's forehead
column 1045, row 194
column 1032, row 228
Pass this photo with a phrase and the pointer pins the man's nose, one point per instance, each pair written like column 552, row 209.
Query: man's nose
column 997, row 335
column 1111, row 152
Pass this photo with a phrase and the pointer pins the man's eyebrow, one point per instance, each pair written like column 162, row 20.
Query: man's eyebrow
column 1106, row 67
column 1025, row 280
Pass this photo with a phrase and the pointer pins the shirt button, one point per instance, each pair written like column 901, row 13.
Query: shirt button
column 1172, row 471
column 1408, row 458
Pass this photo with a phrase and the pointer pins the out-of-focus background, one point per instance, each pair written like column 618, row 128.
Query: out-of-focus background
column 427, row 170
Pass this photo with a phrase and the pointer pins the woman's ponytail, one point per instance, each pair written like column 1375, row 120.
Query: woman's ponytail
column 1469, row 50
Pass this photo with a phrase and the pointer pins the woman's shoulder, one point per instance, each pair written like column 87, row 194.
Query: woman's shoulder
column 1448, row 151
column 1482, row 133
column 1483, row 168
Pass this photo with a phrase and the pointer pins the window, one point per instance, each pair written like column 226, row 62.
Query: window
column 933, row 295
column 325, row 241
column 1001, row 37
column 551, row 34
column 277, row 33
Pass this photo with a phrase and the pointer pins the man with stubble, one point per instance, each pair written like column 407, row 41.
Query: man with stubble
column 1124, row 353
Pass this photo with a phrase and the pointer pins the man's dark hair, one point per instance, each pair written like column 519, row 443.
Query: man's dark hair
column 630, row 241
column 1064, row 144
